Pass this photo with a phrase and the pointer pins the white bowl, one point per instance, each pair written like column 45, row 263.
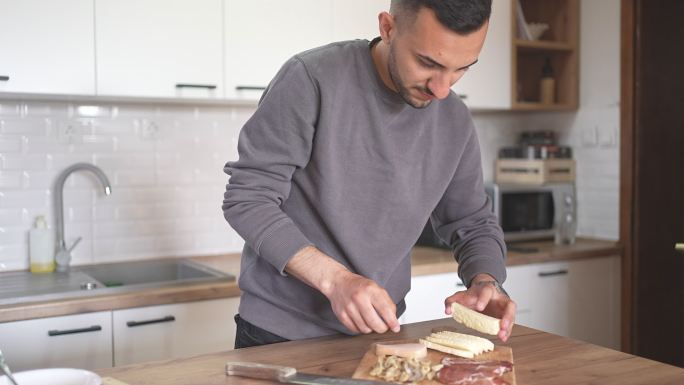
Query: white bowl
column 537, row 29
column 58, row 376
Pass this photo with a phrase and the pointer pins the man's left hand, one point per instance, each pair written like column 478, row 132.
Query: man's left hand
column 485, row 297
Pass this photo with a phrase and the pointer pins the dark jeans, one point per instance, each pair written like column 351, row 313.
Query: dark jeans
column 248, row 335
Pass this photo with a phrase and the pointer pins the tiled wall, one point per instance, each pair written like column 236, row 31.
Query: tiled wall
column 165, row 165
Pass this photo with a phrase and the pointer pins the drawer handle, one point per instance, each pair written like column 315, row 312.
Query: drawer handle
column 250, row 88
column 4, row 78
column 94, row 328
column 188, row 85
column 168, row 318
column 553, row 273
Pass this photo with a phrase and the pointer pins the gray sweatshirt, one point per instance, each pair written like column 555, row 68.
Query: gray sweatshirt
column 335, row 159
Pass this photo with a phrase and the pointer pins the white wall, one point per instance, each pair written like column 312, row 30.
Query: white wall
column 168, row 181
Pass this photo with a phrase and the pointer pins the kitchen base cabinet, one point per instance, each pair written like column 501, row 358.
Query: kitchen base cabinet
column 578, row 299
column 173, row 331
column 75, row 341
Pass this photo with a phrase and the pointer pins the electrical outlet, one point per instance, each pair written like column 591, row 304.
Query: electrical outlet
column 149, row 130
column 70, row 131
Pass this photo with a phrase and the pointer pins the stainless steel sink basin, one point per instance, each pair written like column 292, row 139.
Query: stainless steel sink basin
column 149, row 272
column 112, row 278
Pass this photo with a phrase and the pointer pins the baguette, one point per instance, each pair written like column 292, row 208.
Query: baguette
column 474, row 320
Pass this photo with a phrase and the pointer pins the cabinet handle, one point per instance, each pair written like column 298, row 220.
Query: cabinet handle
column 187, row 85
column 94, row 328
column 168, row 318
column 250, row 88
column 462, row 96
column 460, row 284
column 553, row 273
column 4, row 78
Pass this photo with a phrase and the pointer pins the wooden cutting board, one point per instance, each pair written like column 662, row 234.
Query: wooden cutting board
column 501, row 353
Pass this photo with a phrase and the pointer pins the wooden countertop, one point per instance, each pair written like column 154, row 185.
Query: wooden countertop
column 539, row 358
column 425, row 261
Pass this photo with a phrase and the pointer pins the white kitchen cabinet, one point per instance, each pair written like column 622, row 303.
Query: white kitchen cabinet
column 578, row 299
column 172, row 331
column 261, row 35
column 74, row 341
column 425, row 301
column 159, row 48
column 487, row 84
column 357, row 19
column 47, row 47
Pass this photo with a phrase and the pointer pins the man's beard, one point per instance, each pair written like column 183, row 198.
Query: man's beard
column 404, row 91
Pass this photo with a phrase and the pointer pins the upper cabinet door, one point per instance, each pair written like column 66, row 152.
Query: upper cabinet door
column 357, row 19
column 261, row 35
column 487, row 84
column 159, row 48
column 47, row 46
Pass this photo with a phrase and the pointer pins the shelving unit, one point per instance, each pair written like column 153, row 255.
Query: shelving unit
column 560, row 44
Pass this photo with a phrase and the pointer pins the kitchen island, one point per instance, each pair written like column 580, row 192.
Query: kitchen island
column 539, row 358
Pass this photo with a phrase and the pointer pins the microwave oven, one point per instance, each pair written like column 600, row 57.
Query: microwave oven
column 527, row 212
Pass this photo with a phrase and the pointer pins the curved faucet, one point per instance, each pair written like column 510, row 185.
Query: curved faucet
column 63, row 254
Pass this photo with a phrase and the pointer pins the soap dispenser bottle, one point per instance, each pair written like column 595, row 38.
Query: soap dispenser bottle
column 41, row 247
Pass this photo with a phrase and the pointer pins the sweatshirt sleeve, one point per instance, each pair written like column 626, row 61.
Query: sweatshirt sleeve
column 274, row 143
column 464, row 219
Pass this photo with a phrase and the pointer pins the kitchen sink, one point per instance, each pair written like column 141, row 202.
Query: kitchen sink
column 149, row 272
column 111, row 278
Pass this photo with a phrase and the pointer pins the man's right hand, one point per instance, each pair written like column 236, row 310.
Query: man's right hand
column 361, row 304
column 358, row 302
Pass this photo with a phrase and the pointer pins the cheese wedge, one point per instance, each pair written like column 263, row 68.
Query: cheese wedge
column 409, row 350
column 474, row 320
column 447, row 349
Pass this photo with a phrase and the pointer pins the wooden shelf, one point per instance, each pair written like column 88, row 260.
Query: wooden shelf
column 558, row 47
column 543, row 45
column 535, row 106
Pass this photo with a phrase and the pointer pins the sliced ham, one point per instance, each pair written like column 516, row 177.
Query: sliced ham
column 457, row 371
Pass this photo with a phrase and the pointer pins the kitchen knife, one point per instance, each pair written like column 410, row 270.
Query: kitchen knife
column 289, row 375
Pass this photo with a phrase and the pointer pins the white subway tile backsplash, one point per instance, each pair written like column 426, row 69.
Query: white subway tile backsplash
column 174, row 177
column 10, row 144
column 131, row 178
column 35, row 162
column 10, row 179
column 136, row 245
column 11, row 217
column 13, row 235
column 19, row 126
column 133, row 212
column 25, row 198
column 58, row 162
column 14, row 257
column 118, row 161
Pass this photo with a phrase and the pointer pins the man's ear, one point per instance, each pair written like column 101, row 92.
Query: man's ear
column 387, row 25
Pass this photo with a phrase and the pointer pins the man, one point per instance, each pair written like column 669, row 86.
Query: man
column 353, row 147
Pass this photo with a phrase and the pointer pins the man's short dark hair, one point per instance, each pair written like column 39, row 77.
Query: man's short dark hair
column 461, row 16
